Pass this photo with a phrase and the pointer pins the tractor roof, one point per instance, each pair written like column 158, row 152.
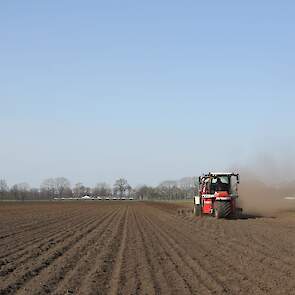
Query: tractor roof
column 220, row 174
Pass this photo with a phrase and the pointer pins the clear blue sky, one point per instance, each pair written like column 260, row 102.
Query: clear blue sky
column 148, row 90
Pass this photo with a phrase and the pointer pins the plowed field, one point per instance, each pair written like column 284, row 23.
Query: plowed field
column 141, row 248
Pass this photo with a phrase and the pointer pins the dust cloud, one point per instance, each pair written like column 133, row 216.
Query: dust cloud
column 267, row 185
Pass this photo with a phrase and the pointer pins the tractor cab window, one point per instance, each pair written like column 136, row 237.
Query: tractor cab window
column 220, row 183
column 205, row 186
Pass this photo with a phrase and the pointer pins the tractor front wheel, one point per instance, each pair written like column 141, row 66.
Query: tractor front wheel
column 197, row 210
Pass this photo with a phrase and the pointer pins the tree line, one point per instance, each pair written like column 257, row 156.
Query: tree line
column 60, row 187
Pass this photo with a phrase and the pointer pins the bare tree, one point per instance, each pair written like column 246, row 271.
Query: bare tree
column 62, row 186
column 79, row 190
column 56, row 187
column 144, row 193
column 3, row 189
column 121, row 186
column 34, row 194
column 20, row 191
column 129, row 190
column 102, row 189
column 48, row 188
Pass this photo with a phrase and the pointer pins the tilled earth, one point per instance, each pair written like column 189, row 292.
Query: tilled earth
column 141, row 248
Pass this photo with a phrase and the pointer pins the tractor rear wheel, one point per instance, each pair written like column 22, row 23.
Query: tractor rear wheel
column 222, row 209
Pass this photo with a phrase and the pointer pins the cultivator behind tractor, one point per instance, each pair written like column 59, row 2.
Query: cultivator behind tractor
column 217, row 195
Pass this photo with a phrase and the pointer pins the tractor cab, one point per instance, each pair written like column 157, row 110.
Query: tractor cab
column 216, row 182
column 217, row 194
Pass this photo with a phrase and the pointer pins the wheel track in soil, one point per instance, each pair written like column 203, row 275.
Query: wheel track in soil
column 259, row 252
column 197, row 275
column 245, row 279
column 260, row 247
column 27, row 272
column 264, row 241
column 262, row 287
column 208, row 267
column 193, row 275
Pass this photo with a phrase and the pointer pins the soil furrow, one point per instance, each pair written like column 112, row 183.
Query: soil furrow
column 136, row 248
column 214, row 259
column 56, row 272
column 160, row 281
column 38, row 247
column 26, row 240
column 74, row 279
column 199, row 277
column 26, row 272
column 97, row 280
column 115, row 278
column 136, row 277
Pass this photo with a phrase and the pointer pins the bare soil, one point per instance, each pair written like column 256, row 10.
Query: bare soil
column 141, row 248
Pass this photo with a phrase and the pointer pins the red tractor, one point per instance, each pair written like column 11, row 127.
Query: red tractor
column 217, row 195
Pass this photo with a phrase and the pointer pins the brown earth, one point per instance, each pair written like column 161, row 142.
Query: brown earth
column 141, row 248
